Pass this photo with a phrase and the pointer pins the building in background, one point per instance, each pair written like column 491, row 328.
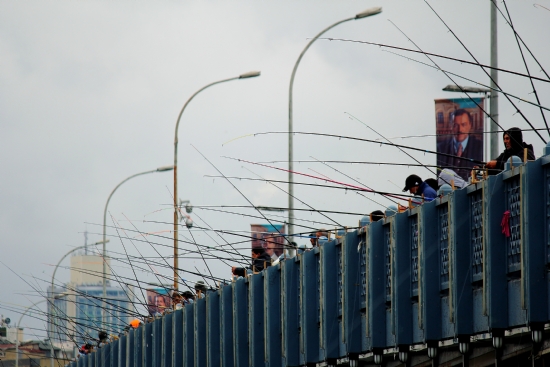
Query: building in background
column 77, row 317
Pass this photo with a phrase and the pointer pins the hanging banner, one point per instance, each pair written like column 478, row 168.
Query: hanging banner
column 459, row 132
column 269, row 237
column 158, row 300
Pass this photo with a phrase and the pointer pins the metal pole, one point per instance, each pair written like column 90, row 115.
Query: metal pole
column 364, row 14
column 103, row 313
column 17, row 331
column 242, row 76
column 494, row 81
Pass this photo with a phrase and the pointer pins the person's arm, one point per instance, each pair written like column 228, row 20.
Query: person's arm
column 491, row 164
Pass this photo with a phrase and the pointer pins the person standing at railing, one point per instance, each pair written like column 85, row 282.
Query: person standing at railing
column 513, row 145
column 416, row 186
column 260, row 261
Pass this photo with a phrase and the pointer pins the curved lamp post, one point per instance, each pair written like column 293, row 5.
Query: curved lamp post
column 19, row 326
column 52, row 297
column 250, row 74
column 363, row 14
column 160, row 169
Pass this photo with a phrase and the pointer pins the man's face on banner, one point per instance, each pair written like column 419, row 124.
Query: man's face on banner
column 462, row 127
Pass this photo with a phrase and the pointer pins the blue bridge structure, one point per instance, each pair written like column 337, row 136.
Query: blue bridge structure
column 438, row 284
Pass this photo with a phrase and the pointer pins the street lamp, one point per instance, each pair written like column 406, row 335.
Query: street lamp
column 18, row 326
column 251, row 74
column 493, row 139
column 52, row 297
column 160, row 169
column 361, row 15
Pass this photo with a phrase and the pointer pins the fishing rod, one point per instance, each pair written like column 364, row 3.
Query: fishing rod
column 283, row 219
column 294, row 197
column 275, row 208
column 289, row 243
column 523, row 57
column 484, row 70
column 481, row 84
column 315, row 185
column 311, row 176
column 437, row 55
column 158, row 244
column 356, row 181
column 360, row 162
column 368, row 141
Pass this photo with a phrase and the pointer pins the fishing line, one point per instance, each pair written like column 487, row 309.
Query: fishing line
column 294, row 197
column 485, row 71
column 440, row 56
column 481, row 84
column 289, row 243
column 356, row 181
column 509, row 21
column 311, row 176
column 367, row 141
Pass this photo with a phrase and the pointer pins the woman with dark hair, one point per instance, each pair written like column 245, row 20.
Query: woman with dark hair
column 513, row 145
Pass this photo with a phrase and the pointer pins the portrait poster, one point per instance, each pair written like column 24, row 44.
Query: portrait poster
column 270, row 237
column 158, row 299
column 459, row 127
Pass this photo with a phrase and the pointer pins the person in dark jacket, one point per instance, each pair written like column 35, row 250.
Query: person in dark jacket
column 260, row 260
column 416, row 186
column 513, row 145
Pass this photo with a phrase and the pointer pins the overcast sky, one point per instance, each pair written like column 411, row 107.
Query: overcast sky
column 90, row 92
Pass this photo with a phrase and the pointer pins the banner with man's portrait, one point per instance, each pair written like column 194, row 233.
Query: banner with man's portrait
column 158, row 300
column 459, row 126
column 269, row 237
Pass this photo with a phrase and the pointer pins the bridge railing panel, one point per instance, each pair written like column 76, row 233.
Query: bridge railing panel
column 353, row 281
column 377, row 284
column 256, row 320
column 213, row 335
column 291, row 312
column 331, row 304
column 226, row 318
column 167, row 341
column 310, row 320
column 495, row 254
column 240, row 322
column 177, row 332
column 535, row 201
column 188, row 335
column 273, row 303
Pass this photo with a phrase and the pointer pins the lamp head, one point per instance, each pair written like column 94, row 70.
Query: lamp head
column 250, row 74
column 368, row 12
column 165, row 168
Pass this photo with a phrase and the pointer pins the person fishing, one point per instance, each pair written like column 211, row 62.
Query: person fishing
column 513, row 145
column 416, row 186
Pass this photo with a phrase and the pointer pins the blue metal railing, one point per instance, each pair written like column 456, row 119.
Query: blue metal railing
column 435, row 272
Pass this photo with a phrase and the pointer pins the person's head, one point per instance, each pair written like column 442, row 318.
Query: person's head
column 376, row 215
column 513, row 138
column 313, row 239
column 200, row 286
column 176, row 297
column 187, row 295
column 102, row 335
column 257, row 252
column 412, row 183
column 88, row 346
column 322, row 233
column 462, row 124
